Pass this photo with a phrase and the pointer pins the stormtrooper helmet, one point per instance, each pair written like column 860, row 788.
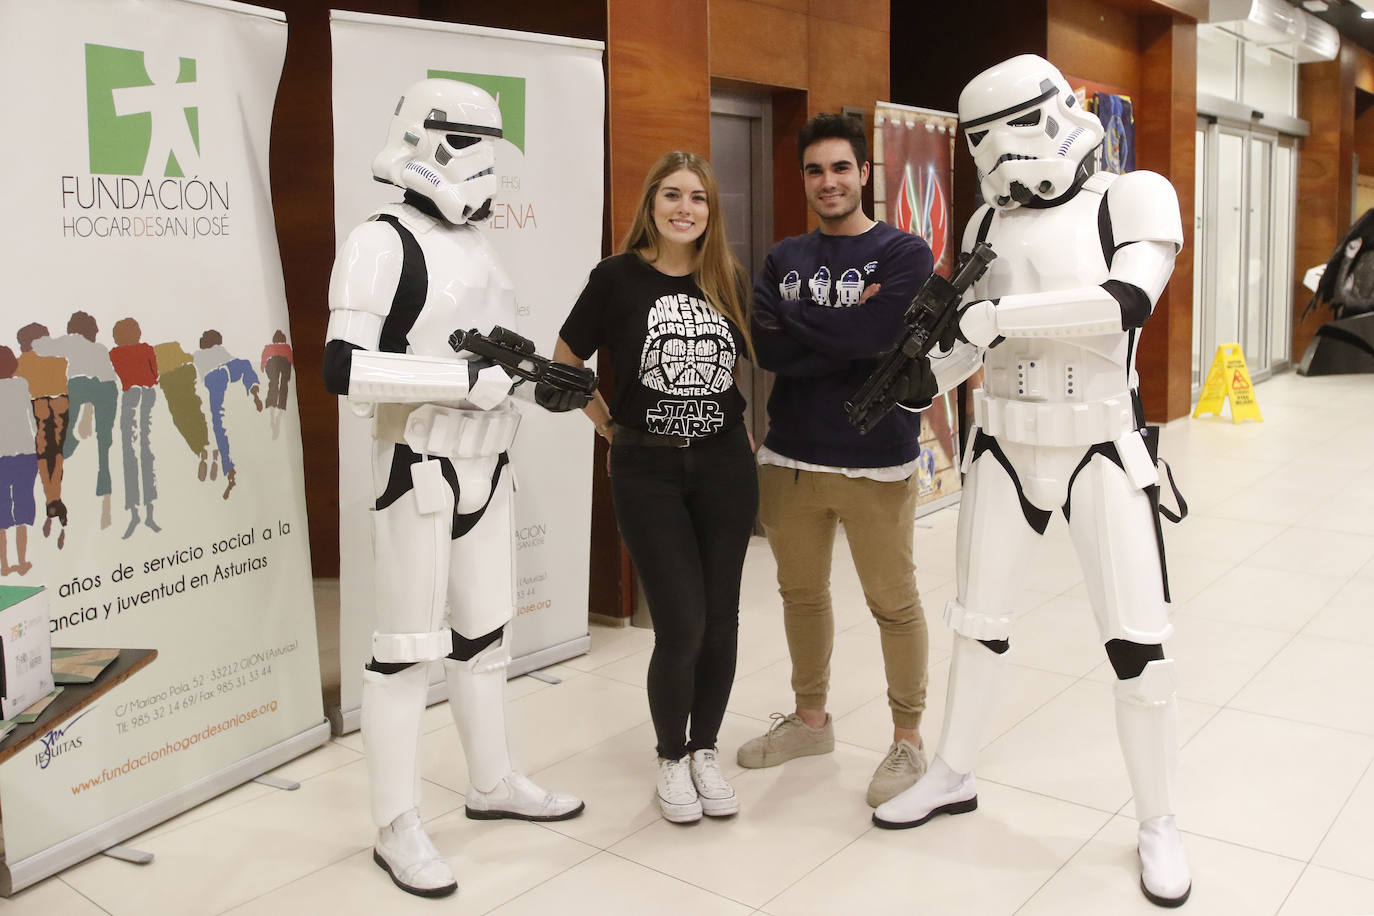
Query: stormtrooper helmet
column 1028, row 134
column 442, row 146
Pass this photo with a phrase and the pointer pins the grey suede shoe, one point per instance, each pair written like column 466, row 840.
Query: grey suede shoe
column 786, row 738
column 904, row 764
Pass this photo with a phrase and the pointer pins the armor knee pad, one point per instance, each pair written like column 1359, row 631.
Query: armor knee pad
column 407, row 648
column 977, row 624
column 387, row 667
column 465, row 649
column 1129, row 659
column 492, row 654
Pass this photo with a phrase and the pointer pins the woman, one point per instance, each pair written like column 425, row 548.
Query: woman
column 670, row 311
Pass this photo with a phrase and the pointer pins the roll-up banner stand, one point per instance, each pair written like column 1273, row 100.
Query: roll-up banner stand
column 546, row 228
column 160, row 500
column 913, row 178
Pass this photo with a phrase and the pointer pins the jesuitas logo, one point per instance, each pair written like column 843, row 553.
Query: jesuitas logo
column 143, row 117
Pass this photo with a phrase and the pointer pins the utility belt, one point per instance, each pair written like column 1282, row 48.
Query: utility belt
column 447, row 432
column 1062, row 424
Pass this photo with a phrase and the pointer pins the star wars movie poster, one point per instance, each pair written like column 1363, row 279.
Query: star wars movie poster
column 913, row 175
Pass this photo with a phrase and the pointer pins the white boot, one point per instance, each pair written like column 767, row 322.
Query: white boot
column 391, row 708
column 477, row 699
column 1147, row 724
column 404, row 850
column 949, row 787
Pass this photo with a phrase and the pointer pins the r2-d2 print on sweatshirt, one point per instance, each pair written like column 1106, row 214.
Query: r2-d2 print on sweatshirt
column 689, row 352
column 837, row 295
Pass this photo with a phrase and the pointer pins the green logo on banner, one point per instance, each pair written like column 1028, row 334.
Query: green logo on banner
column 141, row 112
column 509, row 92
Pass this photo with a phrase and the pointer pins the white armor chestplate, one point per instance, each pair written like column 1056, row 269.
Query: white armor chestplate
column 467, row 287
column 1044, row 390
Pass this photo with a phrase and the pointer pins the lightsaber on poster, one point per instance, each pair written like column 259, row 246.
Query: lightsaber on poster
column 149, row 443
column 546, row 229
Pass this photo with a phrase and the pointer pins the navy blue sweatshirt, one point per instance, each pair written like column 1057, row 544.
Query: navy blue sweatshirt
column 811, row 329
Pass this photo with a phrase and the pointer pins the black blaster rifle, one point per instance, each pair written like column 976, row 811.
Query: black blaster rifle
column 516, row 355
column 928, row 318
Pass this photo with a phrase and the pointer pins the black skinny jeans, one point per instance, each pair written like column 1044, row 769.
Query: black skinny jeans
column 685, row 515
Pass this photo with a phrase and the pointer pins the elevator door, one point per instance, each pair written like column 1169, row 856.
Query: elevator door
column 741, row 155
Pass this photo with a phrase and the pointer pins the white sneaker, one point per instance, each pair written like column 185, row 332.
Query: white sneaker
column 1164, row 876
column 404, row 850
column 516, row 796
column 677, row 795
column 939, row 791
column 716, row 795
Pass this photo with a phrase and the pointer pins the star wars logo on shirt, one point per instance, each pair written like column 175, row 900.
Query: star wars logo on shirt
column 823, row 291
column 693, row 419
column 688, row 350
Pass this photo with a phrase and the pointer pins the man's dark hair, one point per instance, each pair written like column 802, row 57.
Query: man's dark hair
column 827, row 125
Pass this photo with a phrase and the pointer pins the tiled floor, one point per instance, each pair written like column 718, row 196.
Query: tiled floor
column 1274, row 588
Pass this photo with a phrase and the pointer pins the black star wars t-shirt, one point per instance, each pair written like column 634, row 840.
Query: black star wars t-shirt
column 672, row 354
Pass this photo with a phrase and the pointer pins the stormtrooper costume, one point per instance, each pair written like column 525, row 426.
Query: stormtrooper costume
column 441, row 424
column 1081, row 260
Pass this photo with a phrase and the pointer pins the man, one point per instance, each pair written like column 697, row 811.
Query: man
column 442, row 422
column 1082, row 259
column 826, row 305
column 92, row 384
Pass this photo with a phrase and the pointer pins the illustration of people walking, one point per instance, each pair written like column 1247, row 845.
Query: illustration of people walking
column 18, row 465
column 218, row 369
column 177, row 379
column 92, row 393
column 277, row 362
column 136, row 365
column 47, row 378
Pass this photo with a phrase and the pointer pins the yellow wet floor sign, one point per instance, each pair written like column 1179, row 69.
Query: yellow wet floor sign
column 1229, row 379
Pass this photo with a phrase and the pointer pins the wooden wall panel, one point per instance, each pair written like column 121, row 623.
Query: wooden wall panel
column 1096, row 42
column 746, row 36
column 1166, row 119
column 848, row 65
column 1326, row 99
column 660, row 91
column 790, row 211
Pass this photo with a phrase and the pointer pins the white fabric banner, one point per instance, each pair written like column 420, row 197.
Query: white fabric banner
column 159, row 496
column 546, row 228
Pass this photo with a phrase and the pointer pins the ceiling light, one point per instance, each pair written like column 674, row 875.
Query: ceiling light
column 1316, row 6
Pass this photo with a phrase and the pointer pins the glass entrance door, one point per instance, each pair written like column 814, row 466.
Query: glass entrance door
column 1243, row 245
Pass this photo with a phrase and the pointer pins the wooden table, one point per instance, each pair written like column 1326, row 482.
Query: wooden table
column 75, row 697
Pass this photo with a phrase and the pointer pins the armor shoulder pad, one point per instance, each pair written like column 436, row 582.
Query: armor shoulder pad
column 974, row 228
column 417, row 222
column 367, row 269
column 1144, row 208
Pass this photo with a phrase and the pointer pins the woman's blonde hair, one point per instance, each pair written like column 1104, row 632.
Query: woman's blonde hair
column 718, row 271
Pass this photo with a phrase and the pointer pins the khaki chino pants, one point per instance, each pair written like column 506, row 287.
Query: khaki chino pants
column 799, row 511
